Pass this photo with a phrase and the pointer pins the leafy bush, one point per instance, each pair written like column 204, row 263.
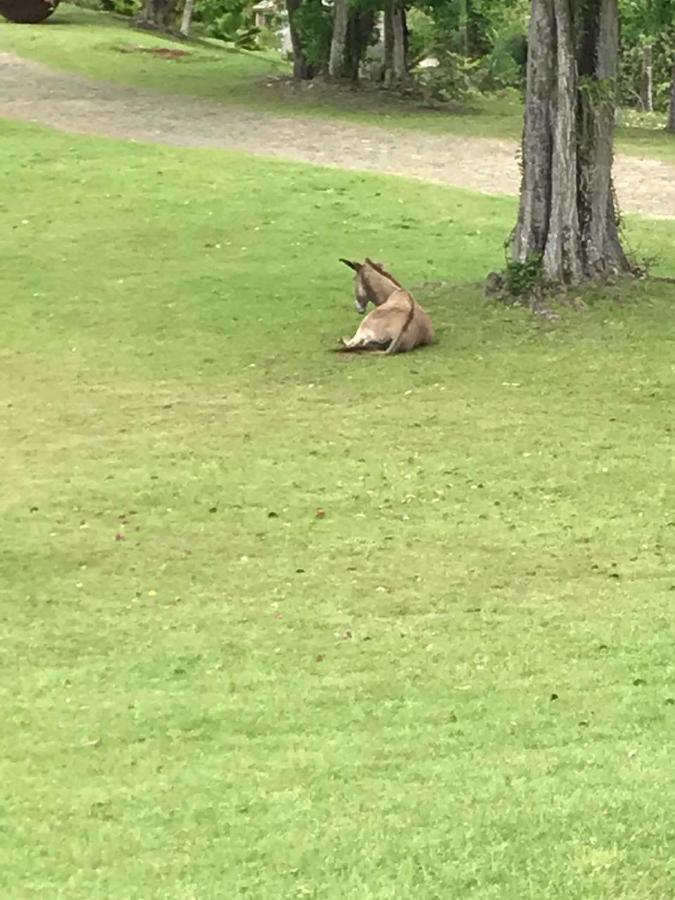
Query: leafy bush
column 631, row 69
column 121, row 7
column 314, row 22
column 495, row 35
column 454, row 78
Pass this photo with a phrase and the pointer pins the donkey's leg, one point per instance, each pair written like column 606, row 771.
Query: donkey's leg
column 360, row 340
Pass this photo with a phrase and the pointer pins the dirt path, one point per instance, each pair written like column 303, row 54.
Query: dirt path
column 32, row 92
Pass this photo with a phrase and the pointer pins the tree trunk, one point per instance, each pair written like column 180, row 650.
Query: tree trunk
column 464, row 26
column 400, row 44
column 303, row 70
column 388, row 41
column 157, row 14
column 359, row 34
column 646, row 90
column 338, row 44
column 186, row 21
column 670, row 126
column 567, row 215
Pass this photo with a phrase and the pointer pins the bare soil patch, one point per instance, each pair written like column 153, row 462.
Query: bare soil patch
column 32, row 92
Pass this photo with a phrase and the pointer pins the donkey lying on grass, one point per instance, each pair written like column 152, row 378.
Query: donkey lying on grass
column 397, row 324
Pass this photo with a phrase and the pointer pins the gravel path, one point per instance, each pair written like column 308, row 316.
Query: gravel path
column 32, row 92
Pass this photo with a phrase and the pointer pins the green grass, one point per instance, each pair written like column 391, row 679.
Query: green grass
column 457, row 683
column 89, row 43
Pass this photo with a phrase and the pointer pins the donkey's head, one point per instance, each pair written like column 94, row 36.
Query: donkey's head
column 371, row 283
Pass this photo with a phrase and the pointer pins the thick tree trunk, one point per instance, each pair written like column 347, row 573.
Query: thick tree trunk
column 338, row 45
column 359, row 34
column 670, row 126
column 160, row 13
column 567, row 216
column 388, row 41
column 647, row 87
column 303, row 70
column 400, row 44
column 157, row 14
column 186, row 21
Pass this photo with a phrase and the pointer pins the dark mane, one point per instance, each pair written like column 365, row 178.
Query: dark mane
column 384, row 272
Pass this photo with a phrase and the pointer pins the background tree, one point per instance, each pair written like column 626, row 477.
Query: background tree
column 670, row 125
column 186, row 18
column 567, row 216
column 157, row 14
column 310, row 25
column 338, row 46
column 647, row 43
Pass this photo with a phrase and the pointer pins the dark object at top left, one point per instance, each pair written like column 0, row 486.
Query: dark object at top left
column 27, row 12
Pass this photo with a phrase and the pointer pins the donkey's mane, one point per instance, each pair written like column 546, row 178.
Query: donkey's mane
column 384, row 272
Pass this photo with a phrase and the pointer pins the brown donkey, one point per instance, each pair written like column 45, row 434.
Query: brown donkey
column 397, row 324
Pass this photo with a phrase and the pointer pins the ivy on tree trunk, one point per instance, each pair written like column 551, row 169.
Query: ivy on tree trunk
column 567, row 215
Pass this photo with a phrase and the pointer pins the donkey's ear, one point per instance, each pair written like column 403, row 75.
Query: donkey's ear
column 352, row 265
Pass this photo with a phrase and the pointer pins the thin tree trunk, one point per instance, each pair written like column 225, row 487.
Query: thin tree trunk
column 186, row 21
column 464, row 26
column 400, row 44
column 647, row 91
column 336, row 63
column 303, row 70
column 567, row 215
column 670, row 126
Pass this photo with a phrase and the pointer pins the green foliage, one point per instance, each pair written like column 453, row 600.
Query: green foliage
column 453, row 79
column 506, row 60
column 523, row 277
column 314, row 22
column 120, row 7
column 631, row 74
column 230, row 21
column 646, row 24
column 423, row 37
column 494, row 34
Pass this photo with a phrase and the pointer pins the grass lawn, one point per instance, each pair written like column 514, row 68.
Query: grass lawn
column 456, row 680
column 92, row 43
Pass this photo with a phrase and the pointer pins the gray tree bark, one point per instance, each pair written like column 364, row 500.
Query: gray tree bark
column 186, row 21
column 647, row 87
column 157, row 14
column 399, row 62
column 336, row 62
column 567, row 214
column 670, row 126
column 388, row 41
